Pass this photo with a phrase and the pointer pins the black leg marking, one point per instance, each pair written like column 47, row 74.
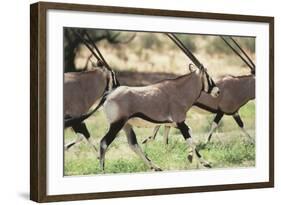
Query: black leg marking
column 215, row 123
column 198, row 154
column 133, row 143
column 166, row 134
column 70, row 145
column 155, row 131
column 184, row 129
column 238, row 120
column 81, row 129
column 240, row 123
column 108, row 138
column 218, row 117
column 131, row 135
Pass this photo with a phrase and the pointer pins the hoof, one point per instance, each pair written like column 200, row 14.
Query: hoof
column 157, row 169
column 190, row 157
column 207, row 165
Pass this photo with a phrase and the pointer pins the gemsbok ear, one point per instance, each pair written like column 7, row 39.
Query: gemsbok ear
column 192, row 67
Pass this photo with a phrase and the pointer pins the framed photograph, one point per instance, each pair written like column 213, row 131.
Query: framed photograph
column 135, row 102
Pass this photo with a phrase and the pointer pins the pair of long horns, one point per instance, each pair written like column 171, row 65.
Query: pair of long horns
column 186, row 51
column 87, row 43
column 246, row 60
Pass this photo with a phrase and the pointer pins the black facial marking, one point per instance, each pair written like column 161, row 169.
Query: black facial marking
column 211, row 83
column 114, row 80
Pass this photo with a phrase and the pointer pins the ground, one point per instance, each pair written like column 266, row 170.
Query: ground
column 229, row 146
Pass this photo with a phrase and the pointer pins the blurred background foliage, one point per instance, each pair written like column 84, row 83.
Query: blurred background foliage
column 143, row 53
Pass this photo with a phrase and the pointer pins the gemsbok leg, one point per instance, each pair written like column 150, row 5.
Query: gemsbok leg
column 155, row 131
column 184, row 129
column 114, row 128
column 166, row 134
column 240, row 123
column 214, row 126
column 81, row 131
column 133, row 143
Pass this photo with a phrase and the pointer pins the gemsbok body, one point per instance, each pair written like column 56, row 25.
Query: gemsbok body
column 84, row 89
column 235, row 92
column 165, row 102
column 81, row 91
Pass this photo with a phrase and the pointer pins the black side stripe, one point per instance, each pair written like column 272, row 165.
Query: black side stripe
column 71, row 121
column 145, row 117
column 205, row 107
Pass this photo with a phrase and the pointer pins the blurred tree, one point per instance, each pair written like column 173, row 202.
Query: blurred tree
column 188, row 41
column 71, row 42
column 150, row 41
column 217, row 46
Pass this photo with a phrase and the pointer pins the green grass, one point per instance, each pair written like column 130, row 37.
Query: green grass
column 229, row 147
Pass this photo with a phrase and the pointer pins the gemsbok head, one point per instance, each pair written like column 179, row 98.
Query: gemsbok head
column 165, row 102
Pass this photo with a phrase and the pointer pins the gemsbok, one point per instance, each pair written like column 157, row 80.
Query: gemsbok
column 165, row 102
column 82, row 90
column 235, row 93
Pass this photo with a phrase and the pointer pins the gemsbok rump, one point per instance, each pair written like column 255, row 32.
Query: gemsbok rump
column 82, row 90
column 235, row 93
column 165, row 102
